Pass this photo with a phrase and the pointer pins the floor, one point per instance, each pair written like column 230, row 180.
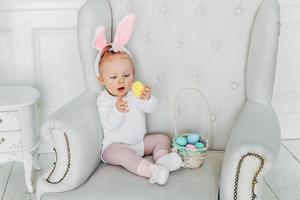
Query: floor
column 283, row 182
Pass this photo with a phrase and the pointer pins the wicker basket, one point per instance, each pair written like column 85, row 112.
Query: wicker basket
column 191, row 158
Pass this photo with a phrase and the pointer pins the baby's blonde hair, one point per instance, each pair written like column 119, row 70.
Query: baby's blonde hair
column 107, row 55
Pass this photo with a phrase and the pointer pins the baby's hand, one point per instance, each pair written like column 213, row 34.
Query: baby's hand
column 146, row 93
column 121, row 105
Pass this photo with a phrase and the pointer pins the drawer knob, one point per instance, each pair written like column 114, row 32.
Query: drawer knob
column 2, row 140
column 0, row 120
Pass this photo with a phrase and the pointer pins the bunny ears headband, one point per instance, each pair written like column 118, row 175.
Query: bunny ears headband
column 123, row 33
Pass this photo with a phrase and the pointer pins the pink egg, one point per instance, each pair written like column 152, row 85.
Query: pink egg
column 191, row 146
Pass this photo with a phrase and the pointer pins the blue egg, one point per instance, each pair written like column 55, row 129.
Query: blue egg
column 181, row 141
column 193, row 138
column 199, row 145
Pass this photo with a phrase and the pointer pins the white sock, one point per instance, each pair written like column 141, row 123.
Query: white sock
column 172, row 161
column 160, row 174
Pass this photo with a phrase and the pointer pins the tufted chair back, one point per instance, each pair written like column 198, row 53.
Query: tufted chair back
column 218, row 52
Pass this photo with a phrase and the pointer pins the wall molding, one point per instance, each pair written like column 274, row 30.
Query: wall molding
column 37, row 33
column 8, row 34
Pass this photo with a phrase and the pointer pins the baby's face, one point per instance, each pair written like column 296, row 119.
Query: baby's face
column 117, row 75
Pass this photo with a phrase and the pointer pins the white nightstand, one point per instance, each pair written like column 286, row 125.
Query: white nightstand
column 18, row 128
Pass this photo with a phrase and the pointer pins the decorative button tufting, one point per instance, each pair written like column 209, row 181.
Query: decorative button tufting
column 215, row 47
column 177, row 44
column 129, row 6
column 160, row 78
column 238, row 11
column 195, row 79
column 144, row 38
column 213, row 117
column 199, row 10
column 162, row 9
column 234, row 85
column 176, row 112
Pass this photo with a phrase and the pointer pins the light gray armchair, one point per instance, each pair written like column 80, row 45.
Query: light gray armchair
column 225, row 48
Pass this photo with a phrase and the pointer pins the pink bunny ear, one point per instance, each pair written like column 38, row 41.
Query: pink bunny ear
column 124, row 30
column 99, row 41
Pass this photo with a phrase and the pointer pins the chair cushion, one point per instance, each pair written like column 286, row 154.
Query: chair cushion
column 115, row 183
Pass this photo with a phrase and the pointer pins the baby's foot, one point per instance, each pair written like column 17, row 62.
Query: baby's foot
column 171, row 161
column 160, row 174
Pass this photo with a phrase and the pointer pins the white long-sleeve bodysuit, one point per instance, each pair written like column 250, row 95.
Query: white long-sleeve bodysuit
column 128, row 128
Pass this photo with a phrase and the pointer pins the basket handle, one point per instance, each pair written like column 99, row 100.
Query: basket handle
column 208, row 108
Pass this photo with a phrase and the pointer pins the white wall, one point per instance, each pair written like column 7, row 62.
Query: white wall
column 38, row 47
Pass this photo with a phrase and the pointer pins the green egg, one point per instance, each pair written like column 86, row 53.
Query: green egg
column 199, row 145
column 182, row 141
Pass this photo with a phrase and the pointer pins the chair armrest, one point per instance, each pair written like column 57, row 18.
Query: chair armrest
column 254, row 146
column 76, row 135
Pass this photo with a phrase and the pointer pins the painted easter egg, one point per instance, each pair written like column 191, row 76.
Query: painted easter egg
column 181, row 140
column 199, row 145
column 193, row 138
column 137, row 88
column 190, row 146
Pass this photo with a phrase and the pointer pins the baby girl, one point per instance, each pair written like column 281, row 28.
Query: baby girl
column 122, row 114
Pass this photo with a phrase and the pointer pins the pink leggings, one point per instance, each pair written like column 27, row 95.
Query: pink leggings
column 157, row 145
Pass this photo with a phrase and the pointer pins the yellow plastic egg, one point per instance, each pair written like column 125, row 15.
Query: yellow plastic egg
column 137, row 88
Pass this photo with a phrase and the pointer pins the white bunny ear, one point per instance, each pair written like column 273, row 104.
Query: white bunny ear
column 99, row 41
column 124, row 30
